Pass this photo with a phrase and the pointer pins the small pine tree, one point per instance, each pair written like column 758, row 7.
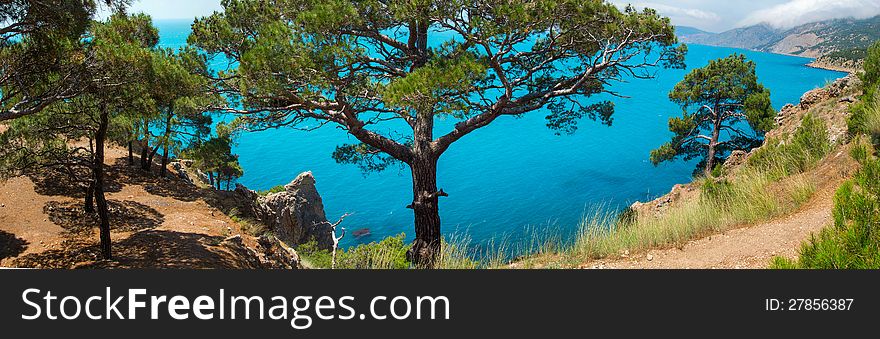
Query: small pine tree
column 715, row 101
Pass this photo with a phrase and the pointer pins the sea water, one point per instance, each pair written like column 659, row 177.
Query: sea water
column 515, row 174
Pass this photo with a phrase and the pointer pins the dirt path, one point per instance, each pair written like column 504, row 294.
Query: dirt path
column 749, row 247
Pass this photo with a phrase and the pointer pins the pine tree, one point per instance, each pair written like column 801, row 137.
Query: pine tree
column 724, row 109
column 357, row 64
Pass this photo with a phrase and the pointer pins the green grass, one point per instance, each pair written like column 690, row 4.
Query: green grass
column 390, row 253
column 781, row 158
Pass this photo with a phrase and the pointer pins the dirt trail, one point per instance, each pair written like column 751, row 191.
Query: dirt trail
column 747, row 248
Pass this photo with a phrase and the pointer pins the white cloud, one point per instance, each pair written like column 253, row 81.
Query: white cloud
column 673, row 11
column 798, row 12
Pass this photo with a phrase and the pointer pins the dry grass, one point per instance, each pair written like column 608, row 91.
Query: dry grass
column 771, row 184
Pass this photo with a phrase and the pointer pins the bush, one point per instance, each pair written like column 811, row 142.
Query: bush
column 853, row 242
column 276, row 189
column 716, row 190
column 627, row 217
column 865, row 118
column 390, row 253
column 807, row 146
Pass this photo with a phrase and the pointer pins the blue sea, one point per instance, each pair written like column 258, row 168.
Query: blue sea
column 515, row 174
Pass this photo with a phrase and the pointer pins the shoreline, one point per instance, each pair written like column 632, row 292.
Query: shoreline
column 814, row 62
column 819, row 65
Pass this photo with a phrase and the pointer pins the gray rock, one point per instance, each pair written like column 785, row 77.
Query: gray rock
column 274, row 254
column 736, row 159
column 269, row 254
column 182, row 173
column 295, row 215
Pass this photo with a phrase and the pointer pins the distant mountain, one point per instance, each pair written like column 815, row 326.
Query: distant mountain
column 746, row 37
column 840, row 38
column 689, row 31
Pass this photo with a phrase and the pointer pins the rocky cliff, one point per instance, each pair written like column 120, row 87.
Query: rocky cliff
column 295, row 215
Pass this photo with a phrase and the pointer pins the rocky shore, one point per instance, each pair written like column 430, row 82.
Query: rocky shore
column 840, row 65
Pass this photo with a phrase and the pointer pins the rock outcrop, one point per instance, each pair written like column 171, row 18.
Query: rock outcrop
column 295, row 215
column 659, row 206
column 837, row 64
column 184, row 171
column 830, row 104
column 274, row 254
column 270, row 253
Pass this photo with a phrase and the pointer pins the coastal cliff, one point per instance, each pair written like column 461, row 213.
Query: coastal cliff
column 295, row 215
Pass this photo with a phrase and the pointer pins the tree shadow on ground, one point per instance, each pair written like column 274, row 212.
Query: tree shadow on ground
column 54, row 183
column 126, row 216
column 169, row 186
column 147, row 249
column 172, row 186
column 11, row 245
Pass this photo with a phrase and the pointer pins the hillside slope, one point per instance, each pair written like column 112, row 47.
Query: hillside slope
column 839, row 38
column 753, row 246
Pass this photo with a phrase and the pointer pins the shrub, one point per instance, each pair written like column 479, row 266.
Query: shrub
column 853, row 242
column 716, row 191
column 313, row 256
column 276, row 189
column 627, row 217
column 865, row 118
column 390, row 253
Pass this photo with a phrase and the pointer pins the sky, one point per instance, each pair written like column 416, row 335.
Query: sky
column 709, row 15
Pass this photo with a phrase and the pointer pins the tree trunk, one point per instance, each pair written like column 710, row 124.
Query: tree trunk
column 145, row 149
column 150, row 159
column 163, row 169
column 166, row 138
column 98, row 169
column 89, row 206
column 426, row 246
column 211, row 178
column 710, row 158
column 130, row 154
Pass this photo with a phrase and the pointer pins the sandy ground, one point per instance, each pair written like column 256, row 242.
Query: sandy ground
column 45, row 227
